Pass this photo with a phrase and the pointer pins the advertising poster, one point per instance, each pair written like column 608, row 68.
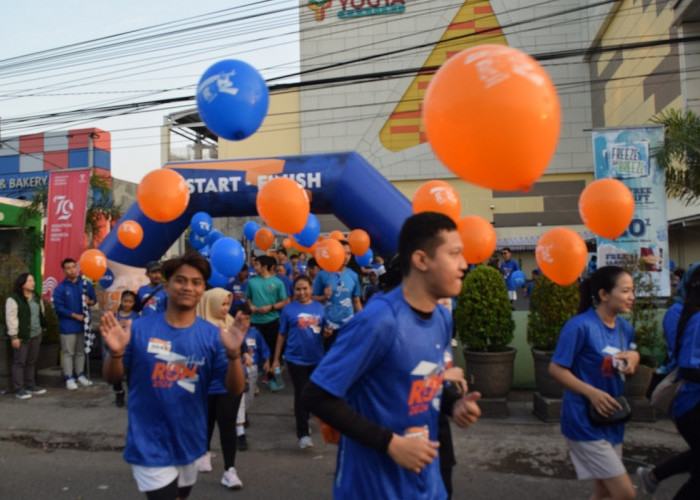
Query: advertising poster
column 626, row 154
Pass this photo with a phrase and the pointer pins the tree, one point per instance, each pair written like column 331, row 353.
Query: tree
column 679, row 156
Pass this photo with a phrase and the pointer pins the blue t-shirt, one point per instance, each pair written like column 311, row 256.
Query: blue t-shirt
column 170, row 371
column 289, row 268
column 156, row 303
column 388, row 364
column 302, row 266
column 303, row 325
column 256, row 345
column 346, row 285
column 670, row 323
column 508, row 267
column 287, row 285
column 133, row 315
column 689, row 357
column 586, row 347
column 237, row 289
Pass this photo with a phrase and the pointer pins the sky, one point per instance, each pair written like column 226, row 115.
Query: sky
column 137, row 51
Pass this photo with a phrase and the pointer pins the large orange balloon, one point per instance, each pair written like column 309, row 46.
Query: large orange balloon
column 561, row 255
column 359, row 241
column 479, row 238
column 93, row 263
column 330, row 255
column 163, row 195
column 130, row 233
column 606, row 207
column 283, row 205
column 492, row 116
column 437, row 196
column 264, row 238
column 336, row 235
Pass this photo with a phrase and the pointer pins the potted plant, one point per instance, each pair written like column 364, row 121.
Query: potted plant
column 551, row 306
column 485, row 327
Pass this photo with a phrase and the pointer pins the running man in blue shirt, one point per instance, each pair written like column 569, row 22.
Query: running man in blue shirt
column 381, row 383
column 172, row 359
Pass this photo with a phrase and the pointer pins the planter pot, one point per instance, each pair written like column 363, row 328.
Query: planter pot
column 546, row 384
column 490, row 373
column 636, row 385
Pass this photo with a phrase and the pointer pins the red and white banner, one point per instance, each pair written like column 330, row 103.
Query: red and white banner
column 65, row 226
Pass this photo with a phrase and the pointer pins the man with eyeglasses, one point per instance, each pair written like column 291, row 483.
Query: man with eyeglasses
column 341, row 294
column 508, row 267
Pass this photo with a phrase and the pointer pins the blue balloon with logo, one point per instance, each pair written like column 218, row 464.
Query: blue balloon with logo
column 227, row 256
column 249, row 230
column 213, row 236
column 366, row 259
column 217, row 279
column 107, row 279
column 197, row 241
column 201, row 223
column 518, row 278
column 205, row 251
column 232, row 99
column 307, row 236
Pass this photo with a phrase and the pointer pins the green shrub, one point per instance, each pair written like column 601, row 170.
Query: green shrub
column 551, row 306
column 643, row 317
column 484, row 312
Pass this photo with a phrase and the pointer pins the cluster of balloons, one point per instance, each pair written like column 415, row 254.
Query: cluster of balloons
column 226, row 255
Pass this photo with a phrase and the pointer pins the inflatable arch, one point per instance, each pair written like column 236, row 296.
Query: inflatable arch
column 343, row 184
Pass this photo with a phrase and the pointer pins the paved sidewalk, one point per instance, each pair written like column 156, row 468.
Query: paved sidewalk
column 67, row 445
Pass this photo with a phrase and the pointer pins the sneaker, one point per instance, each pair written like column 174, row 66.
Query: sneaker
column 273, row 385
column 242, row 443
column 84, row 381
column 35, row 389
column 71, row 384
column 305, row 442
column 119, row 399
column 204, row 463
column 231, row 480
column 647, row 484
column 22, row 394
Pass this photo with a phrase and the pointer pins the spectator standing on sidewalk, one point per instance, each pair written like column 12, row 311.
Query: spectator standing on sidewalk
column 71, row 299
column 24, row 317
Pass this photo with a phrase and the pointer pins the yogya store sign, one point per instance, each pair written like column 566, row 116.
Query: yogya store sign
column 352, row 9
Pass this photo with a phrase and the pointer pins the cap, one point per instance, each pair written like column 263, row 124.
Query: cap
column 154, row 265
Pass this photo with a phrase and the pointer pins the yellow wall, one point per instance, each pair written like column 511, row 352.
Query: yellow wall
column 279, row 134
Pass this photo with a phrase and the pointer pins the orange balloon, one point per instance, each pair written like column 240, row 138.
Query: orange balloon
column 479, row 238
column 330, row 255
column 283, row 205
column 303, row 249
column 336, row 235
column 163, row 195
column 264, row 238
column 93, row 263
column 287, row 243
column 130, row 233
column 561, row 255
column 359, row 241
column 492, row 116
column 437, row 196
column 606, row 207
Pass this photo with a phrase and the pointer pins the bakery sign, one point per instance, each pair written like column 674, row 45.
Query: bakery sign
column 353, row 9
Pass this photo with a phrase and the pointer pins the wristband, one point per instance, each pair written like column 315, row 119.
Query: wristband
column 116, row 356
column 233, row 357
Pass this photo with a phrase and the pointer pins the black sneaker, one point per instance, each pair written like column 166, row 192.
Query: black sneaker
column 119, row 399
column 35, row 389
column 242, row 443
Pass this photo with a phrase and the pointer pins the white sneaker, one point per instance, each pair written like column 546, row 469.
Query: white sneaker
column 204, row 463
column 305, row 442
column 84, row 381
column 71, row 385
column 231, row 480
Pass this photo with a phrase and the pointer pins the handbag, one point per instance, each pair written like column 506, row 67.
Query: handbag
column 621, row 415
column 664, row 393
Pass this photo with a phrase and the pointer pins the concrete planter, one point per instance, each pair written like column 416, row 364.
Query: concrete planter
column 547, row 386
column 490, row 373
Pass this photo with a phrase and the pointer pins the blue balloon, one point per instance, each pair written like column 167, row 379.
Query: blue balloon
column 217, row 279
column 227, row 256
column 201, row 223
column 307, row 236
column 232, row 99
column 107, row 279
column 249, row 230
column 197, row 241
column 205, row 251
column 518, row 278
column 366, row 259
column 213, row 236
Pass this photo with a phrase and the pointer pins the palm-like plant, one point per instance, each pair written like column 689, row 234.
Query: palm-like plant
column 680, row 154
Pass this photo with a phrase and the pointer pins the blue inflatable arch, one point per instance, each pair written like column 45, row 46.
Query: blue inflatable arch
column 343, row 184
